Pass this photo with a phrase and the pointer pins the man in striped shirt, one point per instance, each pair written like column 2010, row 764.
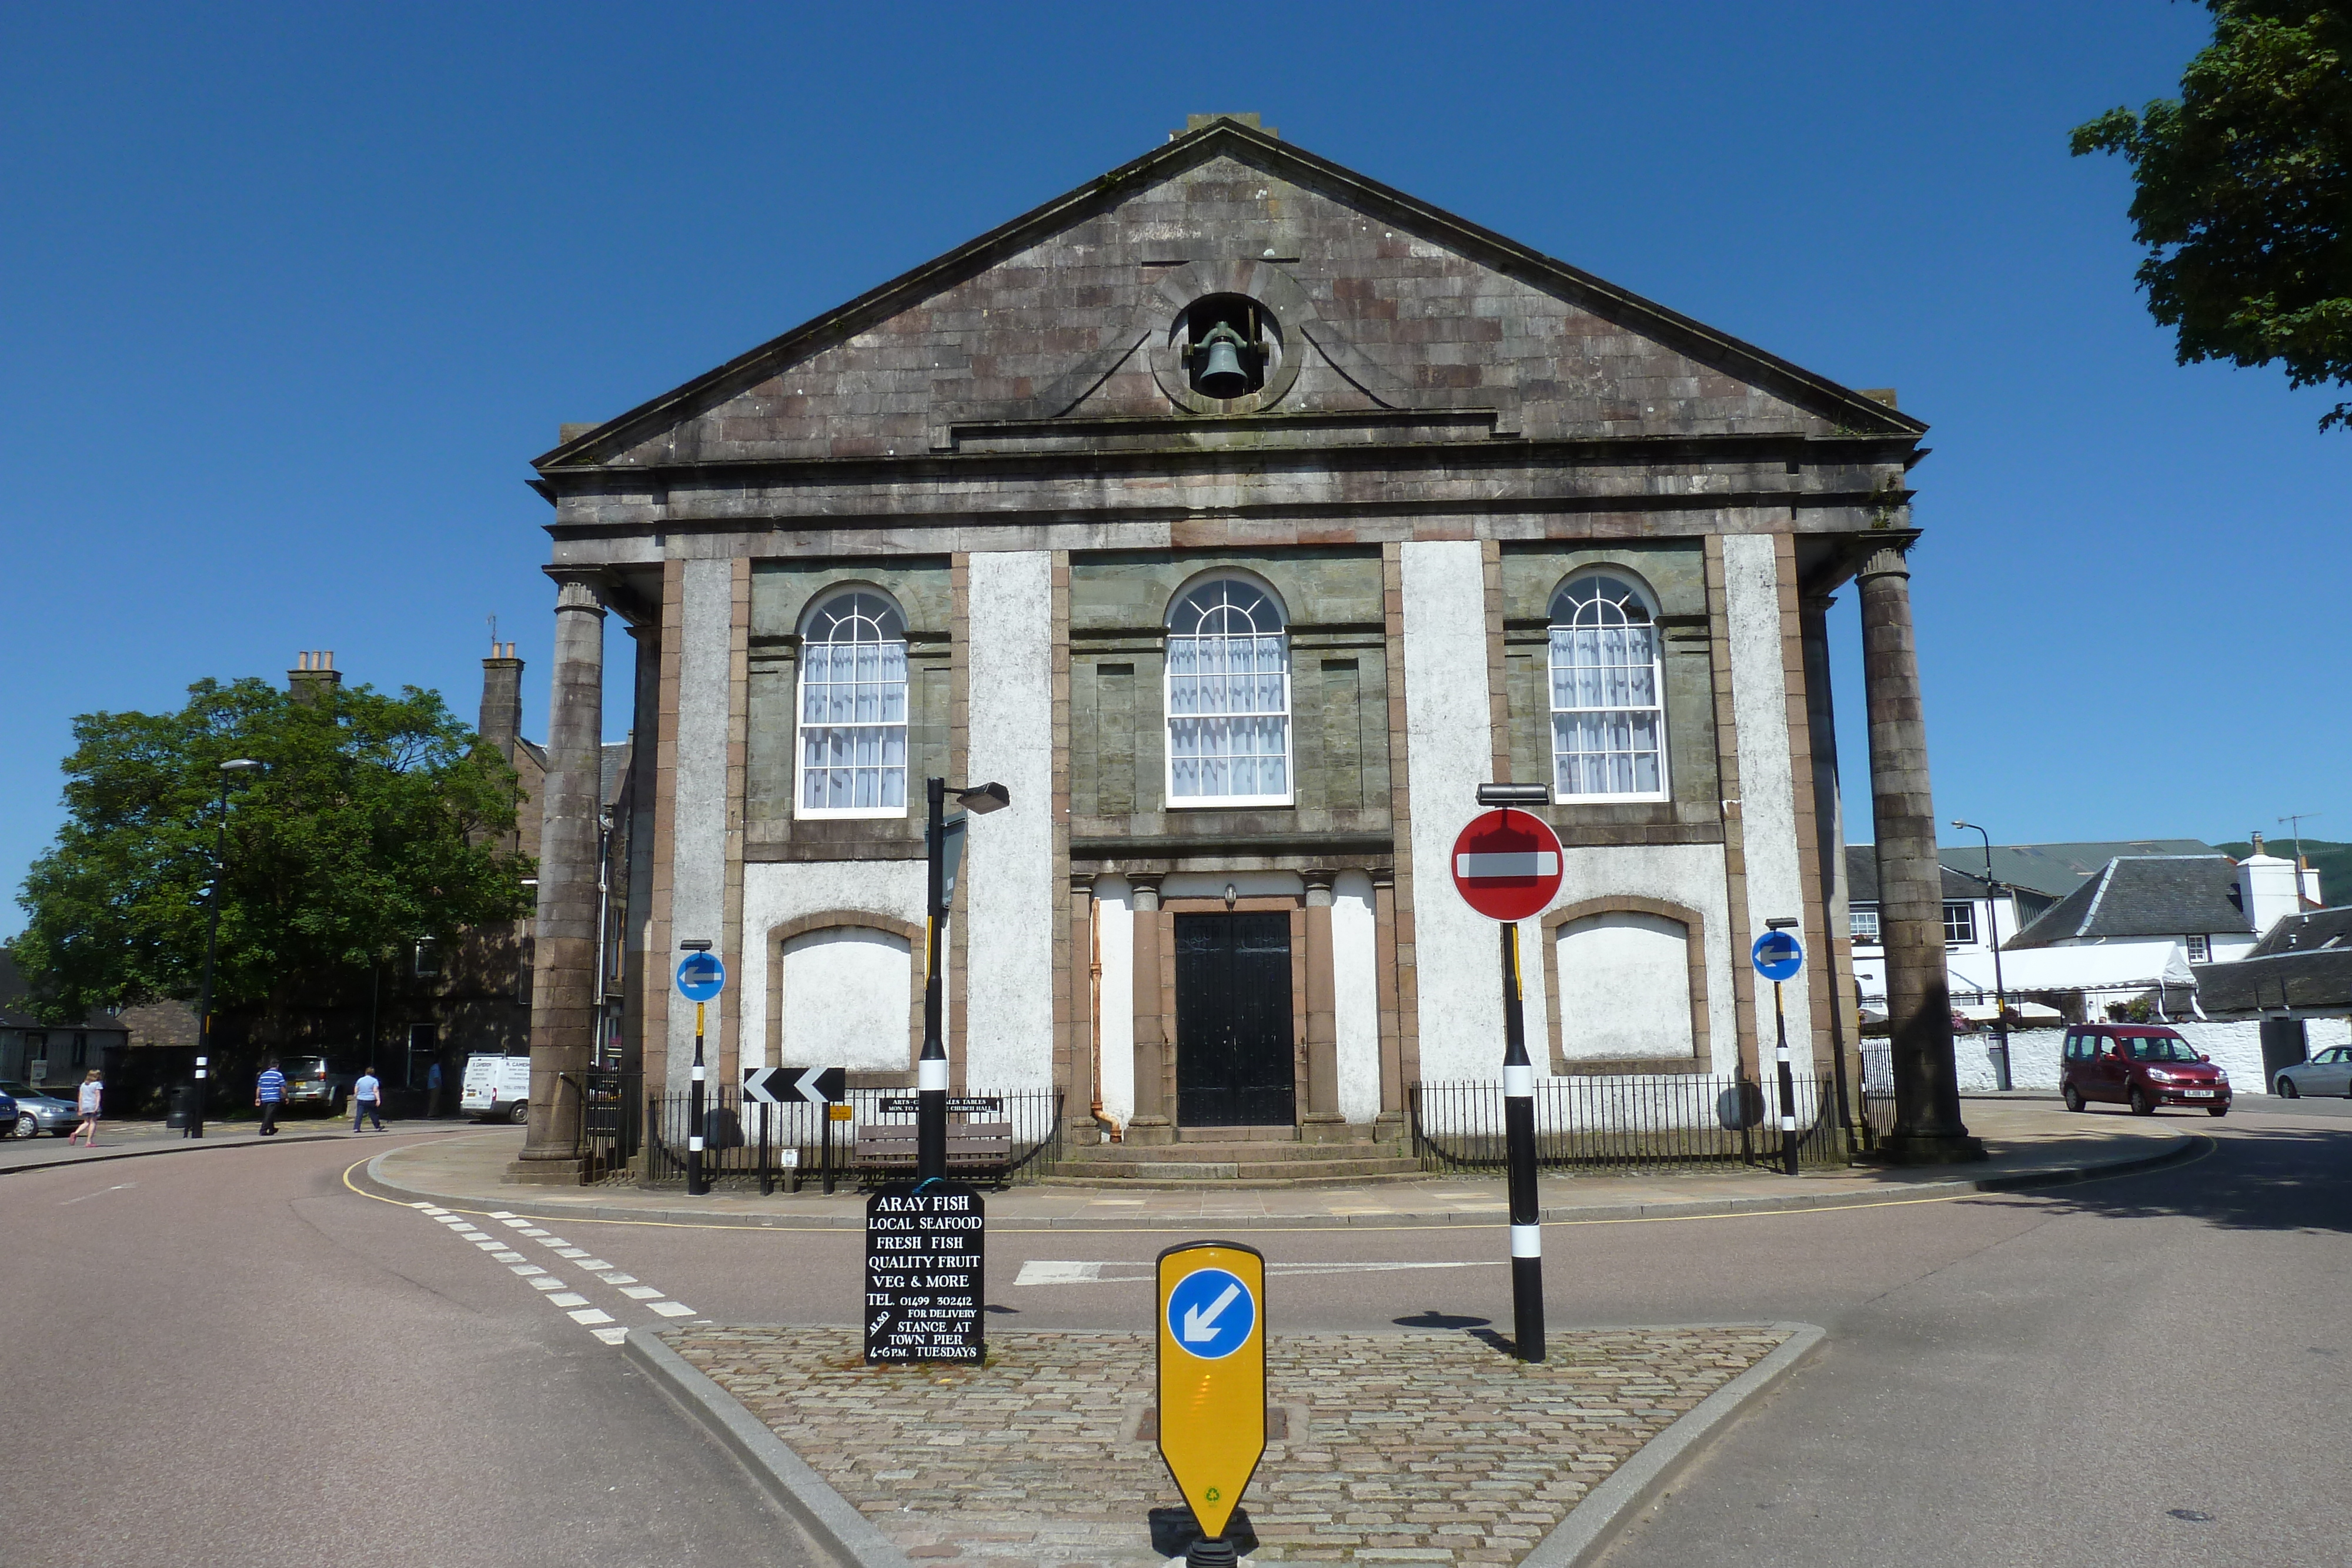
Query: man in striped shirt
column 270, row 1093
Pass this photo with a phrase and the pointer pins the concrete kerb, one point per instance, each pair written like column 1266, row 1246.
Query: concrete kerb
column 518, row 1202
column 185, row 1146
column 1577, row 1540
column 784, row 1475
column 1573, row 1543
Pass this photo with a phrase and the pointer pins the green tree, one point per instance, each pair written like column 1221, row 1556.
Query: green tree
column 2244, row 192
column 374, row 824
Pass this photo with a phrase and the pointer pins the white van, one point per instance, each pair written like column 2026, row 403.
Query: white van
column 497, row 1088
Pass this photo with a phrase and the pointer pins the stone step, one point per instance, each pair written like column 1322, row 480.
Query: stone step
column 1196, row 1173
column 1280, row 1134
column 1170, row 1154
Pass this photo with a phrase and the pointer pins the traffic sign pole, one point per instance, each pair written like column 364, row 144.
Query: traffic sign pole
column 698, row 1180
column 1788, row 1086
column 931, row 1069
column 1519, row 1151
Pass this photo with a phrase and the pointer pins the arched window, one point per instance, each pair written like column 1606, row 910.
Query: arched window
column 1608, row 710
column 1228, row 698
column 854, row 707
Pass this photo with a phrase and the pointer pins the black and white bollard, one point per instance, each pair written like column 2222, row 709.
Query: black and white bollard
column 1519, row 1150
column 1788, row 1084
column 698, row 1180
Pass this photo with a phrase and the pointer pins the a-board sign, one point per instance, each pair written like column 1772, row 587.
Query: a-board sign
column 1507, row 864
column 925, row 1272
column 958, row 1104
column 1778, row 955
column 1211, row 1374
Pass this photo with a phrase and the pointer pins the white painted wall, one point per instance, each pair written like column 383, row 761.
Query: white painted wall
column 1624, row 983
column 1689, row 874
column 847, row 992
column 1115, row 921
column 1009, row 857
column 698, row 837
column 1355, row 995
column 1449, row 753
column 1767, row 799
column 776, row 893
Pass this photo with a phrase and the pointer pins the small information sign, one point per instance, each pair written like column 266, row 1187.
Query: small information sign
column 925, row 1273
column 958, row 1104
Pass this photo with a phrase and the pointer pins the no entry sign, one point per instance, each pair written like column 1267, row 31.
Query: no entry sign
column 1507, row 864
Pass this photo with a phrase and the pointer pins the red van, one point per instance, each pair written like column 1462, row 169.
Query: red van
column 2139, row 1065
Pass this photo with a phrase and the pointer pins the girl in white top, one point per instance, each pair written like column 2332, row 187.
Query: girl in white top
column 87, row 1098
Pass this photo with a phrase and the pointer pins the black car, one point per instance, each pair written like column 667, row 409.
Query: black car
column 12, row 1121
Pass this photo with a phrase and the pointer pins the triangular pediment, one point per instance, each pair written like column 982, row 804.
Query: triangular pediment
column 1382, row 305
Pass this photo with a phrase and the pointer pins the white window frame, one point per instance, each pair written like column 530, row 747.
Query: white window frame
column 1170, row 718
column 1636, row 592
column 1969, row 908
column 2201, row 949
column 1853, row 930
column 817, row 608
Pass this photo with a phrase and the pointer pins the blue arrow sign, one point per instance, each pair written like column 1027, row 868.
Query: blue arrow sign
column 1778, row 955
column 1211, row 1313
column 700, row 976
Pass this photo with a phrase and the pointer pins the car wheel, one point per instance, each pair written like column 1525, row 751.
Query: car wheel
column 520, row 1114
column 27, row 1124
column 2072, row 1097
column 2141, row 1105
column 2287, row 1089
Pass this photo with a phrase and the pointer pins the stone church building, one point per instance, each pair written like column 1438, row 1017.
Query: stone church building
column 1241, row 516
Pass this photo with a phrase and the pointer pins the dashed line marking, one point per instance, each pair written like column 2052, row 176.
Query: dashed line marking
column 670, row 1309
column 589, row 1315
column 641, row 1293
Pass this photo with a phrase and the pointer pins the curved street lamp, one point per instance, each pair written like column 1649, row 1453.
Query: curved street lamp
column 192, row 1126
column 1999, row 997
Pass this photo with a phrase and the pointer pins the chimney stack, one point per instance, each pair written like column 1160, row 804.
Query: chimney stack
column 2267, row 889
column 314, row 672
column 502, row 720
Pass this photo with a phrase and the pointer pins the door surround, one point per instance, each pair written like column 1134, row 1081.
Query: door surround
column 1292, row 904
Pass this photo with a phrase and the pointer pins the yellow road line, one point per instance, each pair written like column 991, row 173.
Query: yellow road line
column 2211, row 1147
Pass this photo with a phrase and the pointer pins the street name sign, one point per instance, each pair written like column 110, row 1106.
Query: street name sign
column 796, row 1085
column 958, row 1104
column 1778, row 955
column 700, row 977
column 1507, row 864
column 1211, row 1374
column 925, row 1273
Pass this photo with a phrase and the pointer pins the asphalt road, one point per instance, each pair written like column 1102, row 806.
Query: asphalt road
column 228, row 1356
column 271, row 1366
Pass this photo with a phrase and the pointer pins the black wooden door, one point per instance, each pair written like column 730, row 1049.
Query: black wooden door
column 1232, row 1021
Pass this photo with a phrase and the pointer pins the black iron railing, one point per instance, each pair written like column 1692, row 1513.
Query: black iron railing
column 1878, row 1090
column 611, row 1128
column 1604, row 1125
column 766, row 1147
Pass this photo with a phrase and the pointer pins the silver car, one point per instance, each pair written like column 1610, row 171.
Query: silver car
column 37, row 1112
column 2329, row 1072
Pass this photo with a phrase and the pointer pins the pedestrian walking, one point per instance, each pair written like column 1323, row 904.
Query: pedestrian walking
column 367, row 1101
column 433, row 1091
column 88, row 1098
column 270, row 1093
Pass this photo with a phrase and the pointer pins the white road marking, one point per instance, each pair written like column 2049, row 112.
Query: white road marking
column 641, row 1292
column 571, row 1251
column 612, row 1335
column 569, row 1298
column 102, row 1192
column 615, row 1279
column 504, row 1256
column 589, row 1315
column 573, row 1305
column 527, row 1270
column 535, row 1235
column 515, row 1224
column 503, row 1214
column 547, row 1282
column 1063, row 1271
column 670, row 1309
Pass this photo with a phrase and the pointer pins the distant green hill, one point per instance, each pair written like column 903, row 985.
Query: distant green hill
column 2333, row 861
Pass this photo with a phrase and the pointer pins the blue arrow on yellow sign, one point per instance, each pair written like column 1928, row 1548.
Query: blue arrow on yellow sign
column 1211, row 1374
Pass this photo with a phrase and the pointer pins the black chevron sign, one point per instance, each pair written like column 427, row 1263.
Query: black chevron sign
column 789, row 1085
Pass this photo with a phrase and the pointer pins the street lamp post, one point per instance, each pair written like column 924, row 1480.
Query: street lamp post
column 931, row 1071
column 193, row 1125
column 1999, row 996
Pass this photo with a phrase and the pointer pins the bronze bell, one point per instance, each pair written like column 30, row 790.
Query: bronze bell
column 1221, row 374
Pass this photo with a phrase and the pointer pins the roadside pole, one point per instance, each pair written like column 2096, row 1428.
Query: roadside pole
column 1778, row 955
column 700, row 977
column 1507, row 866
column 931, row 1069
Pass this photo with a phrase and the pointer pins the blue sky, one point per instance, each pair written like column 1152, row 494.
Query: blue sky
column 293, row 295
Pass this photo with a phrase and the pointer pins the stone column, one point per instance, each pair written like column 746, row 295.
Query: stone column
column 1081, row 1083
column 1151, row 1122
column 1322, row 1124
column 1928, row 1125
column 563, row 980
column 1391, row 1121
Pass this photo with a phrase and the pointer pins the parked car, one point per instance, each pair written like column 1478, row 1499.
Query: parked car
column 47, row 1113
column 2329, row 1072
column 12, row 1121
column 321, row 1081
column 2140, row 1066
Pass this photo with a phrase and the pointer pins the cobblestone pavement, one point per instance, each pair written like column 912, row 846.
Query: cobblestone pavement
column 1402, row 1446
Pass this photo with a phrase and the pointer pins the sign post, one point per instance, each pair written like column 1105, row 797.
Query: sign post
column 700, row 977
column 1211, row 1378
column 1507, row 866
column 925, row 1273
column 1778, row 955
column 825, row 1086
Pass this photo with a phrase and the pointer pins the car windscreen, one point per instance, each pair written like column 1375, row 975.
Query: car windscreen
column 2160, row 1048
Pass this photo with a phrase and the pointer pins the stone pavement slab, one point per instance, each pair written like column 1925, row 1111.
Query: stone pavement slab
column 2032, row 1143
column 1397, row 1448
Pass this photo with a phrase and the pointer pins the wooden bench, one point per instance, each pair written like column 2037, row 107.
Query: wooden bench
column 978, row 1148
